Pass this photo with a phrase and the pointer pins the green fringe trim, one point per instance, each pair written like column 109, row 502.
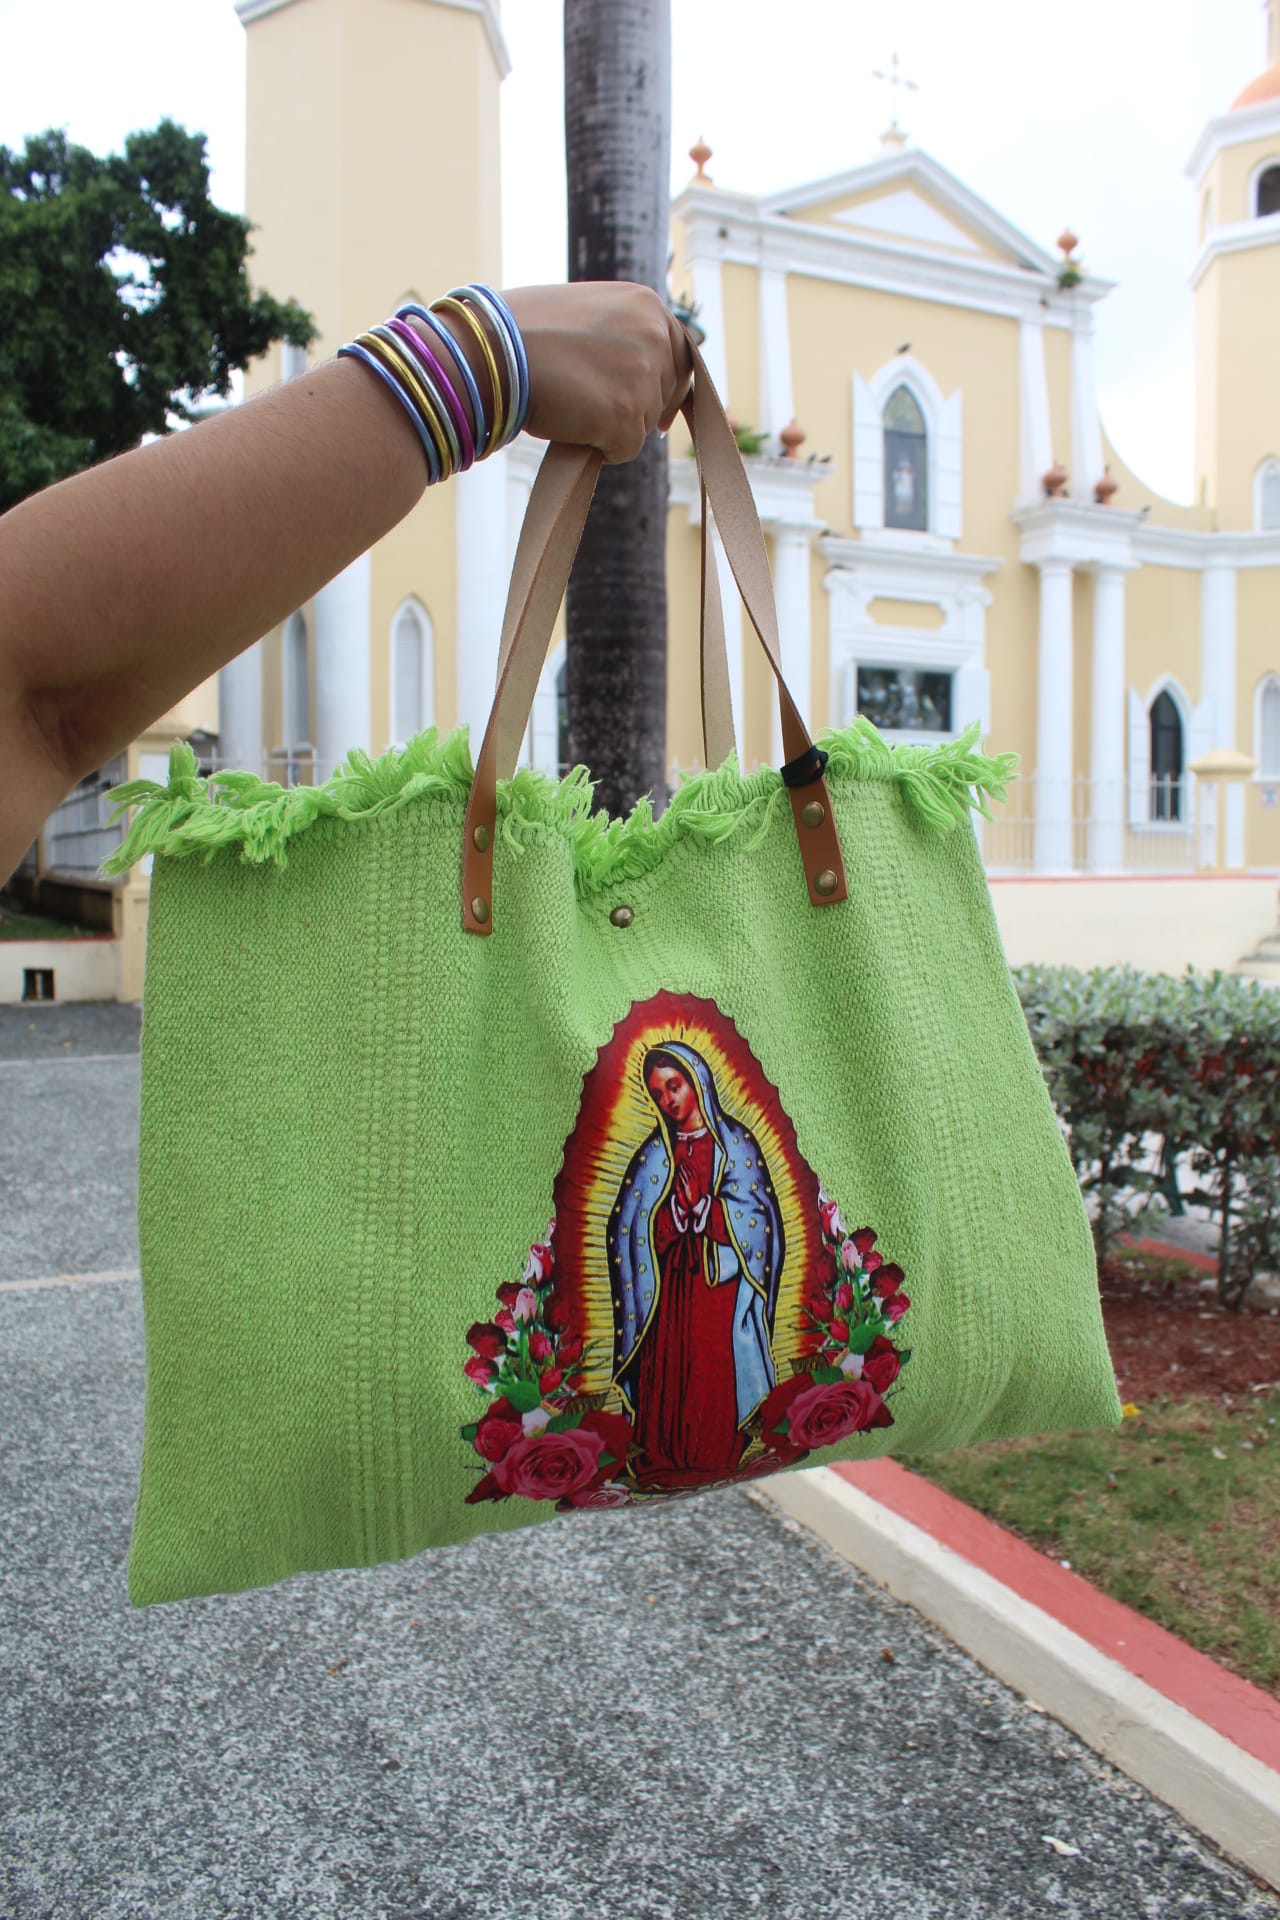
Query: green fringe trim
column 194, row 816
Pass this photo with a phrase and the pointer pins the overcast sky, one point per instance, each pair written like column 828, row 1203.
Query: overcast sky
column 1082, row 113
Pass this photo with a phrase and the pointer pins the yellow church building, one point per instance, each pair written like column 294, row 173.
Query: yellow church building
column 952, row 536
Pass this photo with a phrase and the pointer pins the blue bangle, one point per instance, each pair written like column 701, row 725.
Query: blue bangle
column 354, row 351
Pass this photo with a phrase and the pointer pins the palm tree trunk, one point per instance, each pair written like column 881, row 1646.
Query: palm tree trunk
column 617, row 118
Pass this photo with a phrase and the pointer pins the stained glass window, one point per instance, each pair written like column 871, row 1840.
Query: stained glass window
column 1166, row 760
column 902, row 700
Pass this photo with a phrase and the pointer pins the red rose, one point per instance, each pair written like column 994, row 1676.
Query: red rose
column 864, row 1239
column 775, row 1408
column 844, row 1296
column 889, row 1278
column 615, row 1430
column 832, row 1225
column 539, row 1345
column 882, row 1364
column 551, row 1380
column 871, row 1261
column 556, row 1314
column 481, row 1371
column 895, row 1308
column 569, row 1351
column 494, row 1438
column 508, row 1291
column 488, row 1340
column 539, row 1268
column 551, row 1466
column 820, row 1307
column 825, row 1413
column 608, row 1495
column 839, row 1331
column 505, row 1319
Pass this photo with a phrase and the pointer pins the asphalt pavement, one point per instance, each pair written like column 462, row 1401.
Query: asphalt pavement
column 690, row 1716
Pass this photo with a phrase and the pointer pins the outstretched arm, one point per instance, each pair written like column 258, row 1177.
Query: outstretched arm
column 124, row 587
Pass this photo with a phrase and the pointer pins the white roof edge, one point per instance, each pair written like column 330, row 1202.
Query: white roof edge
column 1232, row 130
column 905, row 163
column 250, row 10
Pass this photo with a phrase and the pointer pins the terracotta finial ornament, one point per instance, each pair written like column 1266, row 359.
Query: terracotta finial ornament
column 1055, row 481
column 1067, row 242
column 792, row 438
column 700, row 153
column 1106, row 488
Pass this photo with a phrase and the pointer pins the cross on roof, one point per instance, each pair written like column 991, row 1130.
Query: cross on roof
column 895, row 79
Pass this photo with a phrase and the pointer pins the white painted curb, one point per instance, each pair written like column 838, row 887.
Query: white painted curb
column 1225, row 1794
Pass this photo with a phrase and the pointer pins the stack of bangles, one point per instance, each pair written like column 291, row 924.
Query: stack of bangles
column 431, row 377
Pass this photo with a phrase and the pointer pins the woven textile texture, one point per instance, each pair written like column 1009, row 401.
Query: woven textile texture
column 355, row 1118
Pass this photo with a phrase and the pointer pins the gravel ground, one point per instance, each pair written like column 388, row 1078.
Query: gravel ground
column 680, row 1717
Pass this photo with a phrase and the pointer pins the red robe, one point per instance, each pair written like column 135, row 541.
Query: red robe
column 686, row 1414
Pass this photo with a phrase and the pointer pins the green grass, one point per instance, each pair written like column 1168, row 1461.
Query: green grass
column 17, row 924
column 1151, row 1515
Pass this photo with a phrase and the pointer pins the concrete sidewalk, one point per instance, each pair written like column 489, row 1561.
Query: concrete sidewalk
column 687, row 1716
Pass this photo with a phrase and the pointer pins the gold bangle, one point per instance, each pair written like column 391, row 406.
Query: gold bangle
column 501, row 408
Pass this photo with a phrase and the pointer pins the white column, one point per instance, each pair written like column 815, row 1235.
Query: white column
column 791, row 591
column 1035, row 440
column 1086, row 433
column 1233, row 837
column 483, row 549
column 240, row 711
column 1107, row 721
column 777, row 408
column 1053, row 720
column 1218, row 649
column 733, row 616
column 343, row 705
column 708, row 297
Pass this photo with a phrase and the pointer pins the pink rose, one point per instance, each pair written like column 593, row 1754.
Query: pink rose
column 882, row 1365
column 505, row 1319
column 551, row 1229
column 526, row 1304
column 550, row 1466
column 844, row 1297
column 539, row 1345
column 496, row 1437
column 832, row 1224
column 539, row 1267
column 488, row 1339
column 479, row 1370
column 828, row 1412
column 895, row 1308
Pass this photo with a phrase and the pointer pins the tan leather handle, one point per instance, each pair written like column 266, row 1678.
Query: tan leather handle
column 553, row 525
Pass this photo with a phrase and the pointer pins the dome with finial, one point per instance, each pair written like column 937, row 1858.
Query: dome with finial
column 1267, row 84
column 700, row 153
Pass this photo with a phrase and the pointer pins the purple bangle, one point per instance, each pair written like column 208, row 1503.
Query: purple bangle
column 451, row 347
column 413, row 339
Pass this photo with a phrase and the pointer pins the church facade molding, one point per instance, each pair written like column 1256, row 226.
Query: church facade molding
column 1241, row 236
column 1073, row 533
column 782, row 489
column 1235, row 129
column 251, row 10
column 1193, row 550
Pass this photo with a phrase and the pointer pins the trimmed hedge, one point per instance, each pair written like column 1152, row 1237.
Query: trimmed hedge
column 1192, row 1062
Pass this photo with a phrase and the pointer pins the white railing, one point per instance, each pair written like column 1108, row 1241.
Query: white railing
column 1077, row 826
column 78, row 835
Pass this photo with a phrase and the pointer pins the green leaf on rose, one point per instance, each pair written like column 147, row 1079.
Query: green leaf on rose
column 827, row 1375
column 470, row 1431
column 563, row 1422
column 862, row 1338
column 524, row 1395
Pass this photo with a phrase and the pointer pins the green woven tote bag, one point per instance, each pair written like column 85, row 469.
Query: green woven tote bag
column 501, row 1160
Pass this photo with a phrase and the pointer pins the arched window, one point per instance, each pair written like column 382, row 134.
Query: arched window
column 1268, row 738
column 412, row 673
column 1268, row 200
column 295, row 699
column 906, row 462
column 1267, row 499
column 1166, row 760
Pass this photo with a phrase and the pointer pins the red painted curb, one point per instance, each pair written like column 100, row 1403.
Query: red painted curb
column 1239, row 1711
column 1206, row 1262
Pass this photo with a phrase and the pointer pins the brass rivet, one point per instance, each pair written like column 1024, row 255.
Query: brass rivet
column 826, row 881
column 480, row 909
column 480, row 839
column 813, row 813
column 622, row 916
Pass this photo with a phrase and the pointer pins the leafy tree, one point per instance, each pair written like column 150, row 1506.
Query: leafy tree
column 617, row 90
column 123, row 300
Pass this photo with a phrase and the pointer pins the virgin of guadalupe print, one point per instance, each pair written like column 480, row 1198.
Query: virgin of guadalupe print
column 697, row 1313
